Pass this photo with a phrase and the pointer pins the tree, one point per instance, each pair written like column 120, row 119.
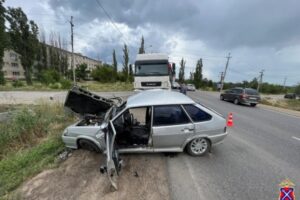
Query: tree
column 24, row 39
column 130, row 73
column 115, row 63
column 198, row 74
column 125, row 62
column 2, row 40
column 192, row 75
column 81, row 71
column 181, row 70
column 104, row 73
column 142, row 48
column 253, row 84
column 297, row 89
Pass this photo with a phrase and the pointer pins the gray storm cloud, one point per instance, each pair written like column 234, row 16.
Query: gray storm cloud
column 260, row 34
column 223, row 24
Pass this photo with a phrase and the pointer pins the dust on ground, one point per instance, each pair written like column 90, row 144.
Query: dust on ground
column 144, row 176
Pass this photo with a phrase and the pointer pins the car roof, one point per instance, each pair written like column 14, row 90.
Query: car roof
column 158, row 97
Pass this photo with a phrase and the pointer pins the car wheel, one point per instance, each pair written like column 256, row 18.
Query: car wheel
column 222, row 97
column 88, row 145
column 198, row 147
column 236, row 101
column 253, row 104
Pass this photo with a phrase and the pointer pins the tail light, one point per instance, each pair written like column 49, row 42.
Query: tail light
column 243, row 96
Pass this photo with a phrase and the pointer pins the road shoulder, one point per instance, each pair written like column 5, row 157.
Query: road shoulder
column 293, row 113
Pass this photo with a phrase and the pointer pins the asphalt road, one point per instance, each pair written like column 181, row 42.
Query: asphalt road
column 262, row 149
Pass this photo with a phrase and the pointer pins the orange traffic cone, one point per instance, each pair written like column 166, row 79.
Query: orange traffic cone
column 229, row 120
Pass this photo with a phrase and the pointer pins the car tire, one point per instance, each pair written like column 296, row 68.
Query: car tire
column 198, row 147
column 88, row 145
column 222, row 98
column 252, row 104
column 236, row 102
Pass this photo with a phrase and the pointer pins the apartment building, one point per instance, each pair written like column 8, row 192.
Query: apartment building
column 78, row 58
column 13, row 68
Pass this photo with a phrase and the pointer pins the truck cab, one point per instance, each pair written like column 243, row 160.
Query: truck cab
column 152, row 71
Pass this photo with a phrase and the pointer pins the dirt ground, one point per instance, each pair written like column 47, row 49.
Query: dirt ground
column 144, row 176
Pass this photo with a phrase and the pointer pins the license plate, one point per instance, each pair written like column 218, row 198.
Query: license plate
column 252, row 98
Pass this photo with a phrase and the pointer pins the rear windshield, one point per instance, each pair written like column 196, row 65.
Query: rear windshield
column 251, row 92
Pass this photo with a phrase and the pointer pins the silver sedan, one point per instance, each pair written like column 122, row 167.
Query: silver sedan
column 150, row 121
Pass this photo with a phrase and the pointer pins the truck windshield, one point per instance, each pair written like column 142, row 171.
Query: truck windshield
column 152, row 69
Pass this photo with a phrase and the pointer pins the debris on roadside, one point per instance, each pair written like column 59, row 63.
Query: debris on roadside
column 64, row 155
column 136, row 174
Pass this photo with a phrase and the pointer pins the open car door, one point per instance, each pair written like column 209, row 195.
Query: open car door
column 113, row 164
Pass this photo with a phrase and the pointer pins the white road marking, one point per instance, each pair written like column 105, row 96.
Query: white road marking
column 296, row 138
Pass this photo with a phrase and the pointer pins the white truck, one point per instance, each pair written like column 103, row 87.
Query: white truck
column 152, row 71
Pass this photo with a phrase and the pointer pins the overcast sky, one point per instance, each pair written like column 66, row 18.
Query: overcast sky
column 259, row 34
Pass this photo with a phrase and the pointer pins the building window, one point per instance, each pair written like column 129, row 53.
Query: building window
column 13, row 56
column 16, row 73
column 14, row 64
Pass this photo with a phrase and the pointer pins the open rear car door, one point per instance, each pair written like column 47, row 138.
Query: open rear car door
column 113, row 162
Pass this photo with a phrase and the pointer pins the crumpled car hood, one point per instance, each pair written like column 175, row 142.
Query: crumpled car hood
column 83, row 102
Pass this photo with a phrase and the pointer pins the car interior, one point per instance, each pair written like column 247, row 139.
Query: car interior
column 133, row 128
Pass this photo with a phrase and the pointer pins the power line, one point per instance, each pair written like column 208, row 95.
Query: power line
column 111, row 20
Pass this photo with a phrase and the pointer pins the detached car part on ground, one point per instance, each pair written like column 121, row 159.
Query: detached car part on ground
column 148, row 122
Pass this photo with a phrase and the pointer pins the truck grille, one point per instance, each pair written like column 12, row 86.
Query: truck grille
column 150, row 84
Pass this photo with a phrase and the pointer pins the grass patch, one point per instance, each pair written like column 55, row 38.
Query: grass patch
column 30, row 142
column 91, row 85
column 17, row 167
column 291, row 104
column 107, row 87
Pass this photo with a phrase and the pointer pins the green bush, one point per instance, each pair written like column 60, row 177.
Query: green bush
column 55, row 85
column 104, row 74
column 49, row 76
column 30, row 142
column 2, row 79
column 297, row 89
column 17, row 83
column 65, row 84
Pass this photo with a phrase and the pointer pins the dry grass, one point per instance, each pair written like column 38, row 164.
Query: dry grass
column 291, row 104
column 91, row 85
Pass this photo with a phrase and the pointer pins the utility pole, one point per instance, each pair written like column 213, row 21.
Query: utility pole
column 223, row 77
column 72, row 44
column 284, row 82
column 260, row 79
